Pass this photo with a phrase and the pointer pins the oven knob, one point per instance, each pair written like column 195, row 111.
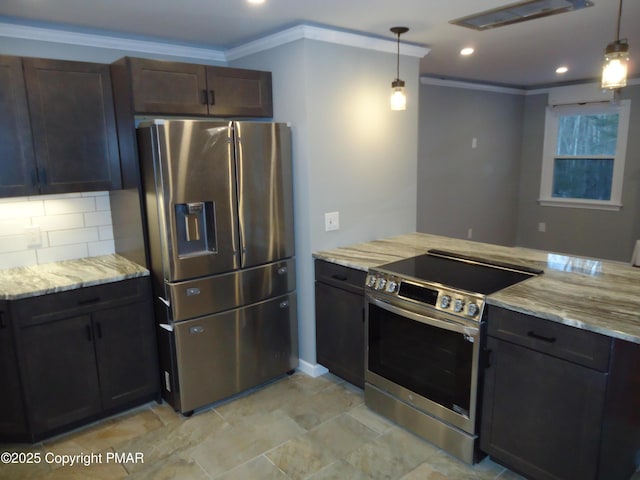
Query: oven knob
column 380, row 283
column 391, row 286
column 472, row 309
column 458, row 306
column 445, row 301
column 371, row 280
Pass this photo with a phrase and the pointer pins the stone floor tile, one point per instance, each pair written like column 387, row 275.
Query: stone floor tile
column 174, row 439
column 339, row 470
column 173, row 467
column 110, row 433
column 452, row 468
column 391, row 455
column 321, row 446
column 243, row 441
column 260, row 468
column 323, row 405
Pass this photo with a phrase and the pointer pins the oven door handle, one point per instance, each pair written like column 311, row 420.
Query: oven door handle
column 428, row 320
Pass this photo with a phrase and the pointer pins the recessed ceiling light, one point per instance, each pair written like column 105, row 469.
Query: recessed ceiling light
column 255, row 2
column 562, row 69
column 467, row 51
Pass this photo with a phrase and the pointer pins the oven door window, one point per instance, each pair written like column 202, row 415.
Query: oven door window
column 433, row 362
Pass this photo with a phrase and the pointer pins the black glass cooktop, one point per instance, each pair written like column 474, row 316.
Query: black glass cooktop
column 460, row 271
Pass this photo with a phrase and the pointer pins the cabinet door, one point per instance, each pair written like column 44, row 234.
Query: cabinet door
column 238, row 92
column 126, row 353
column 12, row 416
column 17, row 162
column 73, row 125
column 340, row 332
column 59, row 372
column 542, row 415
column 168, row 87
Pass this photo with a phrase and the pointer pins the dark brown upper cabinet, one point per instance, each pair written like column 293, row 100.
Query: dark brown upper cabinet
column 17, row 160
column 73, row 126
column 172, row 88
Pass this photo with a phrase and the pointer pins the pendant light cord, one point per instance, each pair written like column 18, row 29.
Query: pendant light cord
column 619, row 20
column 398, row 58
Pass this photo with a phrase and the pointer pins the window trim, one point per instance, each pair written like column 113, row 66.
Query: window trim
column 553, row 112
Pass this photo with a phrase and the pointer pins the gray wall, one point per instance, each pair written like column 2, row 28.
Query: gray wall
column 352, row 154
column 461, row 187
column 494, row 188
column 582, row 232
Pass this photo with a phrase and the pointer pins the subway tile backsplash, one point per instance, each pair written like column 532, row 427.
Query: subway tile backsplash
column 50, row 228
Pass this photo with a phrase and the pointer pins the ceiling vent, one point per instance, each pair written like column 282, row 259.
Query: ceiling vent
column 519, row 12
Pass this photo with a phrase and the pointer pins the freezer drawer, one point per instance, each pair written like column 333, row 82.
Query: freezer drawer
column 222, row 354
column 204, row 296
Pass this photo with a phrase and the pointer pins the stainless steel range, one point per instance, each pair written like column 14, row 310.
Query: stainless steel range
column 425, row 322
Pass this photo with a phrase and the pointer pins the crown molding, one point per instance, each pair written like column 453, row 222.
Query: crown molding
column 27, row 32
column 44, row 34
column 324, row 34
column 471, row 86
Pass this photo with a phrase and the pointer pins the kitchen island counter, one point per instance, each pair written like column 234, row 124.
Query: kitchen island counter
column 35, row 280
column 596, row 295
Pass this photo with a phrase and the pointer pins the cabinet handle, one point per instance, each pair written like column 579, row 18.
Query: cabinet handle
column 2, row 324
column 205, row 97
column 89, row 336
column 533, row 334
column 89, row 301
column 212, row 97
column 34, row 177
column 488, row 354
column 99, row 329
column 339, row 276
column 43, row 176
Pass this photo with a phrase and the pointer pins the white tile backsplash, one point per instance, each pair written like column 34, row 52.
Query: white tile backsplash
column 72, row 226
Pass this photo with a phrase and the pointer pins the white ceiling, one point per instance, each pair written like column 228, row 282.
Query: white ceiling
column 524, row 54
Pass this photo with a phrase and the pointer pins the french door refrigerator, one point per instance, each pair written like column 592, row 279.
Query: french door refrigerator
column 219, row 209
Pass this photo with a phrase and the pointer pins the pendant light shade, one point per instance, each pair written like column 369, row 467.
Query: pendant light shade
column 398, row 94
column 616, row 61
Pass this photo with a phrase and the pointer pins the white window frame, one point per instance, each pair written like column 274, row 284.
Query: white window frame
column 552, row 116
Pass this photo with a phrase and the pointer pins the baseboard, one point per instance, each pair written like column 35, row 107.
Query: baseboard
column 313, row 370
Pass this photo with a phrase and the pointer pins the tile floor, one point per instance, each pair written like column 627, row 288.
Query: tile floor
column 297, row 427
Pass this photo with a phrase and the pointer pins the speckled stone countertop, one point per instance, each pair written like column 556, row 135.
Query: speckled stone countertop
column 23, row 282
column 600, row 296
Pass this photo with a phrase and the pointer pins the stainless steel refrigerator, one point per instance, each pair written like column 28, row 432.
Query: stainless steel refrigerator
column 219, row 209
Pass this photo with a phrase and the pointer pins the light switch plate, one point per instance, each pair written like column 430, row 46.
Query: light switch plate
column 331, row 221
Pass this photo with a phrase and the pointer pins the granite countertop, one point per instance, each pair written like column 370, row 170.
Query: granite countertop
column 24, row 282
column 595, row 295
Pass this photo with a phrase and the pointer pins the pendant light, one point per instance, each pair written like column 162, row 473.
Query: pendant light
column 398, row 95
column 616, row 61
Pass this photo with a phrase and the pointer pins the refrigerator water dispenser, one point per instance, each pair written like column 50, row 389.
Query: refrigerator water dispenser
column 195, row 228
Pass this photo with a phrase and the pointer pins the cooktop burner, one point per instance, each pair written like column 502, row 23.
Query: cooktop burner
column 459, row 271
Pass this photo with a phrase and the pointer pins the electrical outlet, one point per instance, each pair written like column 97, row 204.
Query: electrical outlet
column 470, row 233
column 33, row 236
column 331, row 221
column 542, row 227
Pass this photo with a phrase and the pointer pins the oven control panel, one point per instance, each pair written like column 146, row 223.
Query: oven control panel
column 452, row 301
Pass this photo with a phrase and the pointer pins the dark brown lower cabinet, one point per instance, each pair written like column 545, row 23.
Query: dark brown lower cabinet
column 340, row 320
column 548, row 400
column 13, row 422
column 82, row 355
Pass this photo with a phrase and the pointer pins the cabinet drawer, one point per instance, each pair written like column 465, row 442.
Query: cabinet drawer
column 570, row 343
column 340, row 276
column 34, row 310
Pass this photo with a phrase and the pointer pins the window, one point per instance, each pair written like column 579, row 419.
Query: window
column 584, row 153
